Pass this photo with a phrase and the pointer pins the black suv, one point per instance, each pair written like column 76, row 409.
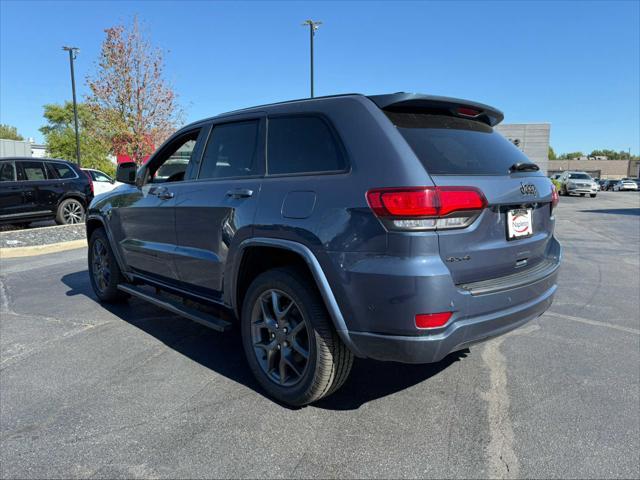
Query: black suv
column 34, row 189
column 396, row 227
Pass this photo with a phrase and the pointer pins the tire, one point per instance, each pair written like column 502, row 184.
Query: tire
column 101, row 257
column 70, row 212
column 302, row 380
column 592, row 195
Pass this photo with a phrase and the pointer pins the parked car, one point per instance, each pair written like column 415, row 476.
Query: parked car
column 397, row 227
column 579, row 183
column 102, row 182
column 39, row 189
column 625, row 185
column 608, row 184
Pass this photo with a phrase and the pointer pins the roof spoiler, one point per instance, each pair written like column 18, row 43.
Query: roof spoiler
column 454, row 106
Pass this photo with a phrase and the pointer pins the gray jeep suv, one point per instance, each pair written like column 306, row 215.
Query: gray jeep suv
column 395, row 227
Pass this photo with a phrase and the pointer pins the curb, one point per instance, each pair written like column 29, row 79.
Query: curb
column 34, row 250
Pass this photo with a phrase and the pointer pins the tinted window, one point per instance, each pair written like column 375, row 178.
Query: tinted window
column 34, row 171
column 7, row 172
column 100, row 177
column 62, row 170
column 302, row 145
column 581, row 176
column 456, row 146
column 175, row 160
column 232, row 151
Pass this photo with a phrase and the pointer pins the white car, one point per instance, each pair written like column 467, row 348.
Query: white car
column 625, row 185
column 579, row 183
column 101, row 181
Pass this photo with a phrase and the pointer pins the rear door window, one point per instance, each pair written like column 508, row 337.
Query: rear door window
column 34, row 171
column 303, row 144
column 7, row 172
column 232, row 151
column 100, row 177
column 62, row 170
column 456, row 146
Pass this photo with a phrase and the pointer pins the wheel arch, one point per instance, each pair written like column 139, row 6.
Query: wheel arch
column 286, row 252
column 94, row 222
column 76, row 196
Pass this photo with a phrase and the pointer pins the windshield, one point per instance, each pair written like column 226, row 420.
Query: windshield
column 580, row 176
column 456, row 146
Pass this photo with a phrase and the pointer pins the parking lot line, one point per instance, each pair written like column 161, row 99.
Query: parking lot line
column 593, row 322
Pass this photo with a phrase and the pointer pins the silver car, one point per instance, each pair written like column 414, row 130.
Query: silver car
column 625, row 185
column 578, row 183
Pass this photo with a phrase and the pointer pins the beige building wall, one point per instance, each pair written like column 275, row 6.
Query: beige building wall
column 531, row 138
column 608, row 169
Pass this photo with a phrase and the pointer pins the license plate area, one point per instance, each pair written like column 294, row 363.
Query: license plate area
column 519, row 223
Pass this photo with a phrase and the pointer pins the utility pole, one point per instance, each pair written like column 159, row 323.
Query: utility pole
column 313, row 26
column 73, row 53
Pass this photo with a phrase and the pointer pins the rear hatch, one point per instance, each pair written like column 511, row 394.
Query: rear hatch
column 465, row 151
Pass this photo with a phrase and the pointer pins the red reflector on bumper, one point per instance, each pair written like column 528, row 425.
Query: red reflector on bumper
column 432, row 320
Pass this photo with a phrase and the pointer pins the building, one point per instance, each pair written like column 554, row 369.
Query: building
column 38, row 150
column 531, row 138
column 14, row 148
column 605, row 169
column 22, row 148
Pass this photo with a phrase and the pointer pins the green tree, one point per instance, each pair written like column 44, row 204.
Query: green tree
column 7, row 132
column 60, row 138
column 552, row 153
column 569, row 156
column 610, row 154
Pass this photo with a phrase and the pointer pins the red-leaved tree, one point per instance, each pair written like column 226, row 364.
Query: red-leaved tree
column 136, row 106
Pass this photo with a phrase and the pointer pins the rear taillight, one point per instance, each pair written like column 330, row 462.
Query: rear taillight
column 426, row 208
column 432, row 320
column 468, row 112
column 90, row 181
column 555, row 199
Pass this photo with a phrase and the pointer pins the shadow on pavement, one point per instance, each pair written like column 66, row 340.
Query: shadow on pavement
column 615, row 211
column 223, row 353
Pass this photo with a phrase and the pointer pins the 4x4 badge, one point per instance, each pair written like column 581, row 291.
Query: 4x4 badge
column 528, row 189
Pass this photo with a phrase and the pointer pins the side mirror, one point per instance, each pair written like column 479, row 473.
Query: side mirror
column 126, row 172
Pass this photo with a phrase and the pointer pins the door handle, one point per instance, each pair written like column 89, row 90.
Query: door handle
column 165, row 195
column 162, row 193
column 240, row 193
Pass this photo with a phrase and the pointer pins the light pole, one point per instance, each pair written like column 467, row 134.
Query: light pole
column 313, row 26
column 73, row 53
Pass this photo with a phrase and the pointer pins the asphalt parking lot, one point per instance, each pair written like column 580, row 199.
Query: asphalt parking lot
column 131, row 391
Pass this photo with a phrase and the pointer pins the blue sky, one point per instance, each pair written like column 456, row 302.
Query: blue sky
column 573, row 64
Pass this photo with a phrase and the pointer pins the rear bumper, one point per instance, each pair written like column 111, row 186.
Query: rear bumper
column 459, row 335
column 379, row 297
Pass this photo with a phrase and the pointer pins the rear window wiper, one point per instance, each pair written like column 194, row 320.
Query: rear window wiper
column 524, row 167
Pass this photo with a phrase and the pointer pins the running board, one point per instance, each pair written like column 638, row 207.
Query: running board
column 177, row 308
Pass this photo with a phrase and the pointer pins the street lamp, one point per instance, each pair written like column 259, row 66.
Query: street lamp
column 73, row 53
column 313, row 26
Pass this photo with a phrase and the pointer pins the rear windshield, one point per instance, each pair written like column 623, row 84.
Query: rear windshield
column 580, row 176
column 456, row 146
